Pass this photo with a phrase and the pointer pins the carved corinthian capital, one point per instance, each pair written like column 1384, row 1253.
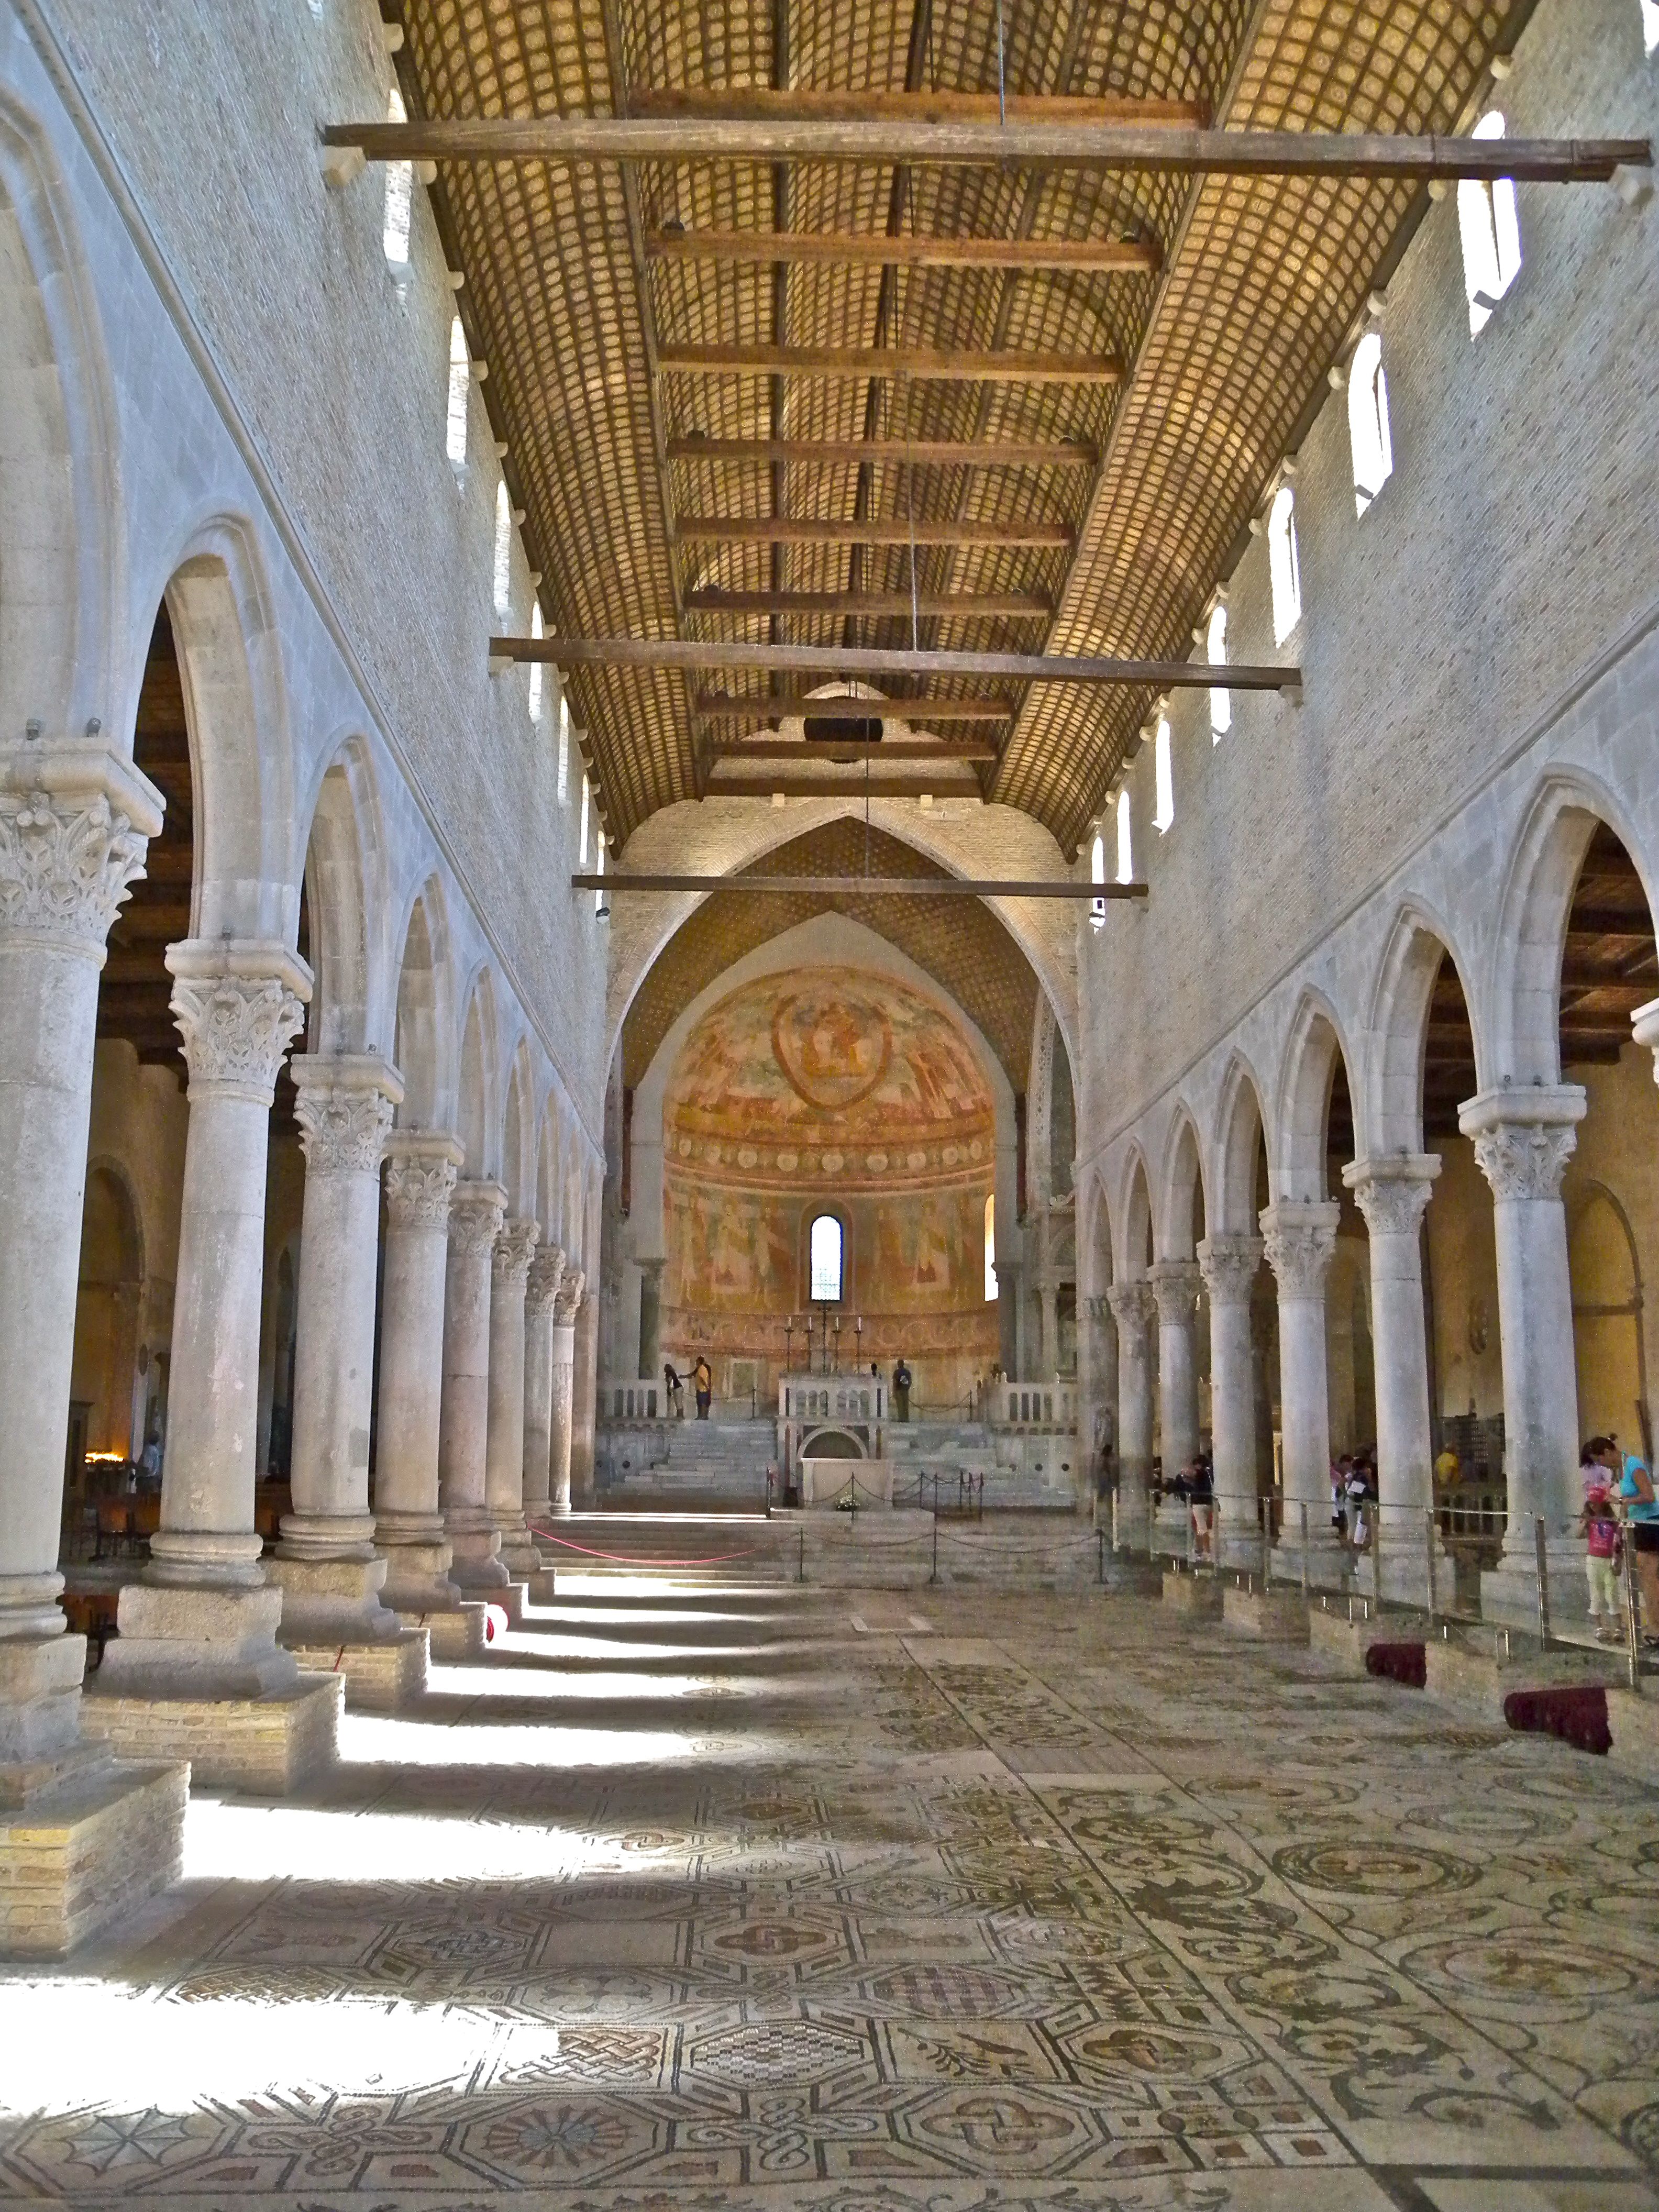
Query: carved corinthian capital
column 420, row 1177
column 546, row 1271
column 509, row 1263
column 568, row 1304
column 1132, row 1305
column 1230, row 1264
column 238, row 1006
column 1524, row 1139
column 1299, row 1235
column 1393, row 1192
column 345, row 1111
column 476, row 1213
column 67, row 860
column 1175, row 1287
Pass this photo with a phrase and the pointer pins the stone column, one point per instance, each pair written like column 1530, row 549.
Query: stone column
column 1175, row 1287
column 1393, row 1194
column 476, row 1213
column 1300, row 1237
column 203, row 1622
column 1049, row 1314
column 510, row 1275
column 1524, row 1139
column 330, row 1573
column 541, row 1293
column 584, row 1404
column 420, row 1178
column 1230, row 1266
column 566, row 1306
column 650, row 1318
column 1132, row 1307
column 75, row 820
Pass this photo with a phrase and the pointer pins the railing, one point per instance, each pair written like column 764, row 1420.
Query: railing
column 861, row 1398
column 960, row 1495
column 1031, row 1405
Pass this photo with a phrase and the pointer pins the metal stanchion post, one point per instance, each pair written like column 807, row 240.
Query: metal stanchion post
column 1301, row 1508
column 1266, row 1510
column 1113, row 1520
column 1191, row 1540
column 1632, row 1615
column 1100, row 1562
column 1374, row 1511
column 1434, row 1594
column 933, row 1572
column 1540, row 1550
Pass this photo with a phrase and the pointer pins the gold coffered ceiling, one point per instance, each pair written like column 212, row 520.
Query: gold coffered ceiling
column 1222, row 347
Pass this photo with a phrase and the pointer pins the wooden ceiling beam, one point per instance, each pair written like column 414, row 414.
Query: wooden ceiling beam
column 811, row 751
column 1077, row 256
column 790, row 530
column 926, row 364
column 846, row 786
column 860, row 453
column 886, row 660
column 863, row 886
column 763, row 104
column 774, row 706
column 967, row 606
column 1022, row 143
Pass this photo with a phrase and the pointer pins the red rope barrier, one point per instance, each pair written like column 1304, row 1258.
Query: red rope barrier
column 623, row 1559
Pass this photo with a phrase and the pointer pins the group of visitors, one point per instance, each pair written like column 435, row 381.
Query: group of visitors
column 1354, row 1499
column 703, row 1385
column 1194, row 1485
column 1620, row 1523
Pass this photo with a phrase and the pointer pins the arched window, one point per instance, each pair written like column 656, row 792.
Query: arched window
column 1098, row 875
column 824, row 1255
column 1491, row 232
column 1284, row 565
column 1649, row 25
column 600, row 906
column 535, row 669
column 1215, row 651
column 1368, row 422
column 991, row 1248
column 564, row 748
column 1126, row 848
column 399, row 198
column 501, row 583
column 459, row 379
column 582, row 837
column 1163, row 778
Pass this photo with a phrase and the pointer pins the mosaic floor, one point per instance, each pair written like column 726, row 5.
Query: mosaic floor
column 699, row 1901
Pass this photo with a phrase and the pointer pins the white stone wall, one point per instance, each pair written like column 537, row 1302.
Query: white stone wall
column 259, row 398
column 1480, row 662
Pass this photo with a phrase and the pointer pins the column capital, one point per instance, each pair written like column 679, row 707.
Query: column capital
column 1176, row 1285
column 238, row 1002
column 1230, row 1266
column 1099, row 1306
column 1393, row 1190
column 75, row 825
column 421, row 1167
column 1299, row 1237
column 1132, row 1303
column 546, row 1272
column 567, row 1302
column 477, row 1211
column 344, row 1109
column 1523, row 1136
column 516, row 1247
column 1644, row 1029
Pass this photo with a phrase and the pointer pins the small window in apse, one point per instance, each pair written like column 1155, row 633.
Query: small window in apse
column 824, row 1250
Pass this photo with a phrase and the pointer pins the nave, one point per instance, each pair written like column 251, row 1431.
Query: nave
column 756, row 1896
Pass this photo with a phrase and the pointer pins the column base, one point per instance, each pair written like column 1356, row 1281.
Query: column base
column 1330, row 1563
column 1197, row 1596
column 40, row 1680
column 1333, row 1636
column 381, row 1677
column 331, row 1601
column 175, row 1640
column 512, row 1599
column 1274, row 1616
column 1473, row 1671
column 417, row 1578
column 518, row 1552
column 543, row 1583
column 455, row 1634
column 1509, row 1591
column 269, row 1743
column 86, row 1851
column 476, row 1569
column 1634, row 1723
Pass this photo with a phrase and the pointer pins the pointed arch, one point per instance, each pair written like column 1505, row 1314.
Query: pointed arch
column 549, row 1150
column 1315, row 1047
column 1241, row 1130
column 1181, row 1178
column 1417, row 945
column 1134, row 1217
column 519, row 1136
column 424, row 1036
column 1095, row 1253
column 348, row 900
column 477, row 1119
column 1525, row 996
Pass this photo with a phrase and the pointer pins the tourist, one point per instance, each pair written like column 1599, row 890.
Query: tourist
column 702, row 1382
column 676, row 1390
column 1448, row 1468
column 1357, row 1496
column 900, row 1390
column 1640, row 1508
column 1339, row 1498
column 1596, row 1468
column 1601, row 1550
column 1201, row 1504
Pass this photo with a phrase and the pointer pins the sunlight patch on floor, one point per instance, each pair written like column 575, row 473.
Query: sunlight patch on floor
column 226, row 1841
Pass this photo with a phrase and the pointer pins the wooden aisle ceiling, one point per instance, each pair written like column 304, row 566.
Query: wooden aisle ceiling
column 578, row 281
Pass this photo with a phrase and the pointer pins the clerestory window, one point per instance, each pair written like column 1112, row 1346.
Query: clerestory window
column 1368, row 422
column 824, row 1258
column 1283, row 563
column 1215, row 651
column 1489, row 228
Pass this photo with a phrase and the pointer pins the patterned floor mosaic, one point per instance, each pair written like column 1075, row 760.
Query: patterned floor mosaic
column 688, row 1900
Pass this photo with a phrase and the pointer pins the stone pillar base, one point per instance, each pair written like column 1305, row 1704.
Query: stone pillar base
column 268, row 1743
column 191, row 1641
column 418, row 1578
column 1330, row 1563
column 543, row 1584
column 455, row 1634
column 1509, row 1591
column 1199, row 1597
column 331, row 1602
column 87, row 1851
column 518, row 1554
column 1275, row 1616
column 1473, row 1671
column 512, row 1600
column 39, row 1707
column 1634, row 1721
column 476, row 1570
column 380, row 1677
column 1131, row 1574
column 1333, row 1636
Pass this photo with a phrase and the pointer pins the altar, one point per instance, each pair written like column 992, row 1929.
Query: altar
column 824, row 1482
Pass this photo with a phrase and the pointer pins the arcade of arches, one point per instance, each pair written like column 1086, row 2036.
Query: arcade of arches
column 829, row 1018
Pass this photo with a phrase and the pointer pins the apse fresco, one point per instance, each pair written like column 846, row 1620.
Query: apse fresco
column 840, row 1089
